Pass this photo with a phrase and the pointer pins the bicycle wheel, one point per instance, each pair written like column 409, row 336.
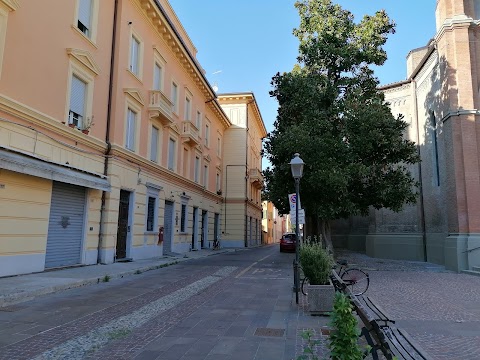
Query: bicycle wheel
column 305, row 283
column 356, row 280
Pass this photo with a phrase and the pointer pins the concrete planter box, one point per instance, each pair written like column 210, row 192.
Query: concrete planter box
column 320, row 299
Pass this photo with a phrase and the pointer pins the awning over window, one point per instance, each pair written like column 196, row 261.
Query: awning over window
column 31, row 165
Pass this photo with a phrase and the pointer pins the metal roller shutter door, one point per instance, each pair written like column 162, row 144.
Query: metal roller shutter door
column 65, row 227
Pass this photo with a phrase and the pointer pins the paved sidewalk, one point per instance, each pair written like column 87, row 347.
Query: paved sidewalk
column 21, row 288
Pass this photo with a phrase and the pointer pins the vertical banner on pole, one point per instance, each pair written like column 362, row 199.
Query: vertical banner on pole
column 292, row 199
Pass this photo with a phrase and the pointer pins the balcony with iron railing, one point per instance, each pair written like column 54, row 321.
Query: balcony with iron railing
column 256, row 178
column 160, row 107
column 190, row 133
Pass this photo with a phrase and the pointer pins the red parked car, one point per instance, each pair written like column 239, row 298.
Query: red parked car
column 287, row 242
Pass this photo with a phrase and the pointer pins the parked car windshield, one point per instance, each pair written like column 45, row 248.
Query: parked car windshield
column 289, row 236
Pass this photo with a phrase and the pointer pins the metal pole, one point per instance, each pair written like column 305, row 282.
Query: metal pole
column 297, row 241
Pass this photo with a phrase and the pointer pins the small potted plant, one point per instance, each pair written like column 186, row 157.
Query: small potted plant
column 87, row 125
column 317, row 265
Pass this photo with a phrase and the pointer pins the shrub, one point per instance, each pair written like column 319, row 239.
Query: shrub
column 343, row 342
column 316, row 263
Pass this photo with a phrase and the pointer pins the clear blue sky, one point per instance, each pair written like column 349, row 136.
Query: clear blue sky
column 250, row 41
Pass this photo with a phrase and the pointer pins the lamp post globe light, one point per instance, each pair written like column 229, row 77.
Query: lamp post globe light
column 296, row 165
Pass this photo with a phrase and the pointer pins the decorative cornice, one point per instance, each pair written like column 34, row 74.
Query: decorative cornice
column 165, row 29
column 11, row 5
column 46, row 122
column 248, row 99
column 85, row 58
column 458, row 21
column 121, row 154
column 135, row 95
column 395, row 87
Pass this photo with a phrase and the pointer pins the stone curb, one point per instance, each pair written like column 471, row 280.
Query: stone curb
column 20, row 297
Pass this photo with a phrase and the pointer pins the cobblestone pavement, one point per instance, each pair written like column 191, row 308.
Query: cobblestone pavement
column 440, row 309
column 235, row 306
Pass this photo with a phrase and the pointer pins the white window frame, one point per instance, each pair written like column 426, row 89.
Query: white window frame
column 174, row 156
column 92, row 33
column 87, row 76
column 78, row 116
column 153, row 191
column 207, row 134
column 197, row 168
column 198, row 123
column 186, row 162
column 5, row 8
column 188, row 108
column 205, row 175
column 175, row 96
column 218, row 182
column 159, row 61
column 219, row 146
column 134, row 36
column 155, row 152
column 128, row 129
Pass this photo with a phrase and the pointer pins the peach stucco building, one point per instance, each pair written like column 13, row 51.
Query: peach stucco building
column 113, row 145
column 273, row 224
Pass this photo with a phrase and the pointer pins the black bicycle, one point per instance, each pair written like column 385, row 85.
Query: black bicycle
column 355, row 279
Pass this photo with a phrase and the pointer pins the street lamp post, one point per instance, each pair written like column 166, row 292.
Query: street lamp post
column 296, row 165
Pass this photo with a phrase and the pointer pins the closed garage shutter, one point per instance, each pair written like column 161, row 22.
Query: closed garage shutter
column 65, row 226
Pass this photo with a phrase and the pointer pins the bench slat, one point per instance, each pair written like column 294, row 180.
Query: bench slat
column 413, row 344
column 378, row 312
column 387, row 338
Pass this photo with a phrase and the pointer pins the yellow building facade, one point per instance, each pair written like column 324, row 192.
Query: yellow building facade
column 273, row 225
column 112, row 142
column 243, row 180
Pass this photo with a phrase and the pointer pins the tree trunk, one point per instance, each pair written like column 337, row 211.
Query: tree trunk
column 311, row 227
column 326, row 234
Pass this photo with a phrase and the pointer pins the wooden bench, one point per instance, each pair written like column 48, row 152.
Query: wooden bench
column 378, row 328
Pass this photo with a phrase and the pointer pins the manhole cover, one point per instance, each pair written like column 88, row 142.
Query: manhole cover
column 269, row 332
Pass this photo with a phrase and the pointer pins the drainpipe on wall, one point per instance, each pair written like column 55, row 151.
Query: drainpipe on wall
column 422, row 206
column 107, row 133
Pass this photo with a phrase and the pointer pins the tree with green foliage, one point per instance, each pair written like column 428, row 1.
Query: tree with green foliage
column 332, row 113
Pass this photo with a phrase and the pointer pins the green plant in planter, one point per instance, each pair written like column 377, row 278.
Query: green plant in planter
column 343, row 342
column 316, row 263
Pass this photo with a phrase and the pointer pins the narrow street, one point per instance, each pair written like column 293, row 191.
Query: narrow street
column 228, row 306
column 235, row 305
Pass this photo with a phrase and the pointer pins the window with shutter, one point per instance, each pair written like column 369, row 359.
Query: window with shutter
column 188, row 109
column 198, row 123
column 171, row 154
column 135, row 56
column 151, row 207
column 183, row 219
column 78, row 94
column 157, row 77
column 154, row 145
column 197, row 169
column 175, row 97
column 207, row 135
column 85, row 16
column 130, row 134
column 205, row 176
column 185, row 162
